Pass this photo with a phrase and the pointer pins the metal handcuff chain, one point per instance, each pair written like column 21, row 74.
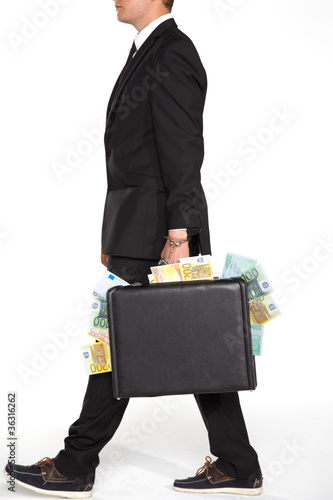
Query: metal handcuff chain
column 173, row 244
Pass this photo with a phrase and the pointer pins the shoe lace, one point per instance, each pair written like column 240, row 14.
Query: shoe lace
column 42, row 463
column 205, row 467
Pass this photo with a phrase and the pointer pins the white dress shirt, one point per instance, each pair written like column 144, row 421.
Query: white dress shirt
column 142, row 36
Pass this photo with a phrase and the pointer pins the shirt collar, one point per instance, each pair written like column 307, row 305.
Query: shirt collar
column 144, row 34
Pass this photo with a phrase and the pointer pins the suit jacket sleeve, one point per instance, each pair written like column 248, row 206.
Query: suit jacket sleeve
column 177, row 105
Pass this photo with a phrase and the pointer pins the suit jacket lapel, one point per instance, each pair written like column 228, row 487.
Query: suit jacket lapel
column 132, row 51
column 130, row 67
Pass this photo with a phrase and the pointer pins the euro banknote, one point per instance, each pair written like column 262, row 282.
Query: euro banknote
column 99, row 324
column 257, row 333
column 235, row 265
column 106, row 281
column 257, row 282
column 171, row 272
column 191, row 268
column 197, row 268
column 263, row 310
column 97, row 358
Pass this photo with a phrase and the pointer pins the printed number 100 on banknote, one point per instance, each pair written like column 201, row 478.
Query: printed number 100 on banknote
column 99, row 325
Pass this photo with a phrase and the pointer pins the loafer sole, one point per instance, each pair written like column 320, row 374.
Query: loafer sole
column 230, row 491
column 62, row 494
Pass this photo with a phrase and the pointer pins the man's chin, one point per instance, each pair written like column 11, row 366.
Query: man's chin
column 122, row 18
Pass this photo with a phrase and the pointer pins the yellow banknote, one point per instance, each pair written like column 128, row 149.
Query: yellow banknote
column 97, row 358
column 263, row 310
column 171, row 272
column 197, row 268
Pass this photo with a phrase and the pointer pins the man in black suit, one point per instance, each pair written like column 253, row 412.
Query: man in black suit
column 154, row 151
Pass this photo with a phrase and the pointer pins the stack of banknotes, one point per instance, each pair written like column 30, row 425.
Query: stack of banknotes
column 191, row 268
column 261, row 303
column 96, row 356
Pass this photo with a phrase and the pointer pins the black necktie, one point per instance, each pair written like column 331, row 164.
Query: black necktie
column 130, row 57
column 131, row 54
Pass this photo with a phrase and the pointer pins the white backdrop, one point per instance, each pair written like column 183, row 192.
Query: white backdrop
column 268, row 133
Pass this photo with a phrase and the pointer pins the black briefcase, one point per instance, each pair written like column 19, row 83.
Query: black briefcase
column 180, row 338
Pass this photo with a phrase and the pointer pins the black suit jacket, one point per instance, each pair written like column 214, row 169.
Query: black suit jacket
column 154, row 148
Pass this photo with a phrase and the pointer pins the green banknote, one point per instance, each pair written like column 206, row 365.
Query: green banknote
column 235, row 265
column 99, row 324
column 257, row 333
column 257, row 282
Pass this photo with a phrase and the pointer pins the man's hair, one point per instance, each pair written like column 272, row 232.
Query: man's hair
column 168, row 4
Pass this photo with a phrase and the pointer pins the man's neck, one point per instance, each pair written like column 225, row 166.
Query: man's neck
column 143, row 23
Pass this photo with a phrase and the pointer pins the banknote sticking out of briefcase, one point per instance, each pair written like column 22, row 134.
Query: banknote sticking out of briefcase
column 180, row 338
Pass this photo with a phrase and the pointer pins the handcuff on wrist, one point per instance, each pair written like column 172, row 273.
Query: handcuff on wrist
column 174, row 244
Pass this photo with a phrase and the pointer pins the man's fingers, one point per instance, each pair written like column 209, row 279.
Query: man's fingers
column 104, row 259
column 180, row 252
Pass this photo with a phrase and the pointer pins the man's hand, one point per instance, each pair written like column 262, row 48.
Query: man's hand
column 180, row 251
column 104, row 259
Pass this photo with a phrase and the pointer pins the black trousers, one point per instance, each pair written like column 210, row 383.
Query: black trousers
column 101, row 415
